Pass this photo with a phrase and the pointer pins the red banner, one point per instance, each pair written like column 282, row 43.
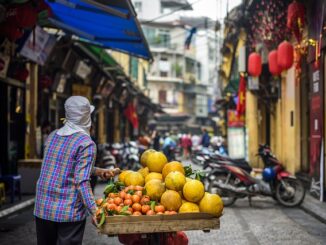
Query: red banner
column 235, row 120
column 241, row 105
column 131, row 115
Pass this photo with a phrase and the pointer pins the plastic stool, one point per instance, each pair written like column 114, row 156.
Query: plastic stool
column 13, row 182
column 2, row 193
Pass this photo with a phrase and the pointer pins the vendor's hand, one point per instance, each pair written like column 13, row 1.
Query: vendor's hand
column 108, row 173
column 94, row 220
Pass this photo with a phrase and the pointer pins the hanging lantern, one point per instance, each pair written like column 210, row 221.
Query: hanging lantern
column 254, row 64
column 285, row 55
column 273, row 66
column 296, row 19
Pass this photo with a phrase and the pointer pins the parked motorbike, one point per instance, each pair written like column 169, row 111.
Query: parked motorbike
column 132, row 156
column 117, row 150
column 234, row 182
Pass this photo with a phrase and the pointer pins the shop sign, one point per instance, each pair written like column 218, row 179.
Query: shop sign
column 235, row 120
column 107, row 88
column 61, row 83
column 82, row 69
column 236, row 143
column 4, row 64
column 38, row 46
column 316, row 132
column 253, row 83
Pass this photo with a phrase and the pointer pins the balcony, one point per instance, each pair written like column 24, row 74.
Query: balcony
column 176, row 4
column 194, row 89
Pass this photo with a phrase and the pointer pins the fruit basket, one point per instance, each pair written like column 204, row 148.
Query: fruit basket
column 159, row 202
column 119, row 224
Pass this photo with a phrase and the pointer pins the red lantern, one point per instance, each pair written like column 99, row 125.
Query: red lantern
column 274, row 68
column 285, row 55
column 296, row 19
column 254, row 64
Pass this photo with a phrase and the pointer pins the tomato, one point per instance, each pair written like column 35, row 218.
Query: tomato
column 138, row 188
column 139, row 193
column 136, row 213
column 122, row 194
column 150, row 212
column 136, row 207
column 145, row 208
column 128, row 202
column 117, row 200
column 135, row 198
column 159, row 208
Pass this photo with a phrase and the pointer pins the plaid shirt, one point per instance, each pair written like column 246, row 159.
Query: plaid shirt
column 63, row 192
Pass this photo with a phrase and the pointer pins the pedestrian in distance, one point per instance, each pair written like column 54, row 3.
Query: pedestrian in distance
column 205, row 140
column 186, row 145
column 156, row 140
column 63, row 193
column 169, row 146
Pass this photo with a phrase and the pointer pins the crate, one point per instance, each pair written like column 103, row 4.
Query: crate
column 120, row 224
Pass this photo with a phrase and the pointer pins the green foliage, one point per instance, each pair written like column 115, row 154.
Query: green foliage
column 194, row 174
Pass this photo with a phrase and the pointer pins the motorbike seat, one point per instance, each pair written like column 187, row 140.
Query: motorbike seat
column 241, row 164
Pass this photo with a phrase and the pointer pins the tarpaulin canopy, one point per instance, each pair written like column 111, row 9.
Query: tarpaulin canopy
column 108, row 23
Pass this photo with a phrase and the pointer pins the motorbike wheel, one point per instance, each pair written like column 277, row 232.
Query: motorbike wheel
column 290, row 192
column 228, row 197
column 194, row 160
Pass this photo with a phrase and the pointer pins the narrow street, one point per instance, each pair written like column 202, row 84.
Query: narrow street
column 264, row 223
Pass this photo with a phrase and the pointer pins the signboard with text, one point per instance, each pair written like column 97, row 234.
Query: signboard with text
column 235, row 120
column 316, row 131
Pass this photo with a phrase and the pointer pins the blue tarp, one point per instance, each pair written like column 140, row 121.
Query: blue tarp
column 108, row 23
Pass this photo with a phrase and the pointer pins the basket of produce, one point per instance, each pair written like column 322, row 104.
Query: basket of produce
column 159, row 197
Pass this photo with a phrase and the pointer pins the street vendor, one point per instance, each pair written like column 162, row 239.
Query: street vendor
column 63, row 191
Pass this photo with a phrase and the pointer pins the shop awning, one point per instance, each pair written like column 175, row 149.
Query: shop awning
column 110, row 24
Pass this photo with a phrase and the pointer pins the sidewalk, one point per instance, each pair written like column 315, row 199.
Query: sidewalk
column 314, row 207
column 9, row 208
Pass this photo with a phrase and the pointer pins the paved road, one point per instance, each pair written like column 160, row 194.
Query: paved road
column 264, row 223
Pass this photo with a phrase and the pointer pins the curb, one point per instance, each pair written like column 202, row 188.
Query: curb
column 313, row 214
column 17, row 207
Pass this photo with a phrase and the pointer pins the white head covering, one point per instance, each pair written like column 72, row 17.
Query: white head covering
column 78, row 116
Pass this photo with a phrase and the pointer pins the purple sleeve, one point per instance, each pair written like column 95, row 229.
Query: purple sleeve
column 85, row 161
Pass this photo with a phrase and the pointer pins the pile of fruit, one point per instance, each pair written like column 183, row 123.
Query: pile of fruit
column 158, row 187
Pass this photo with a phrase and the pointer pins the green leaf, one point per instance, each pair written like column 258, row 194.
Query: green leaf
column 153, row 205
column 124, row 209
column 108, row 189
column 111, row 181
column 131, row 192
column 102, row 220
column 188, row 171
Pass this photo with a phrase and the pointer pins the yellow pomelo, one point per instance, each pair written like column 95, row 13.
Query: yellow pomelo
column 144, row 156
column 154, row 189
column 172, row 166
column 183, row 201
column 134, row 178
column 189, row 207
column 212, row 204
column 193, row 190
column 153, row 175
column 144, row 171
column 171, row 200
column 175, row 181
column 156, row 161
column 188, row 179
column 123, row 174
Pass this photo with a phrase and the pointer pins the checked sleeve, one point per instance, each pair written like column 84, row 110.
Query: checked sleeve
column 85, row 161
